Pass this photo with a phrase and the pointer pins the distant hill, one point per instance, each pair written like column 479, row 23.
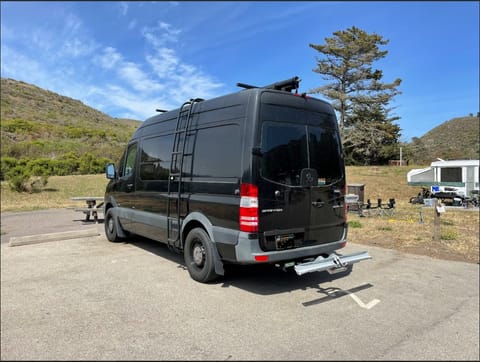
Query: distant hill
column 458, row 138
column 37, row 123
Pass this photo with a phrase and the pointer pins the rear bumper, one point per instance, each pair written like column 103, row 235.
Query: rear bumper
column 247, row 249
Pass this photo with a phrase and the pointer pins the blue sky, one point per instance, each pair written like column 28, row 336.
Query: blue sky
column 129, row 58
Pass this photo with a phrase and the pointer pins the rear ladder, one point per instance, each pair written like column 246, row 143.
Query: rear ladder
column 174, row 241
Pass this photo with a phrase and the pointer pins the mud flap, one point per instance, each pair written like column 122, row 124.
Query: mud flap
column 333, row 263
column 217, row 261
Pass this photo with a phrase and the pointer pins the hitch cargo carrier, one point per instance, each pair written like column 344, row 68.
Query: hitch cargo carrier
column 333, row 263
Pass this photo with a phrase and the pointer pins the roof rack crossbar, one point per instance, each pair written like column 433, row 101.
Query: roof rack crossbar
column 285, row 85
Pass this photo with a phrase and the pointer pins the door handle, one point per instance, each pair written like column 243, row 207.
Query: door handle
column 318, row 204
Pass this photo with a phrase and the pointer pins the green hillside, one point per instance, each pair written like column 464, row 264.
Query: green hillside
column 458, row 138
column 39, row 124
column 65, row 136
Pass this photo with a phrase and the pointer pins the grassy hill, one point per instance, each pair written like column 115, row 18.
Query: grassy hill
column 458, row 138
column 39, row 124
column 36, row 123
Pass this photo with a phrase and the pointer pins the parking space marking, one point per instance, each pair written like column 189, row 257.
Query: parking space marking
column 369, row 305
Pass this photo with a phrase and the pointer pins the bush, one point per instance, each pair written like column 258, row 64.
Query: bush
column 448, row 235
column 354, row 224
column 7, row 163
column 18, row 178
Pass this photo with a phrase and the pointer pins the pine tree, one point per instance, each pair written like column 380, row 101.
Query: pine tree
column 358, row 94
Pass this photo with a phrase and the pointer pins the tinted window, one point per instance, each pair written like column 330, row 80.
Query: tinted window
column 155, row 158
column 285, row 152
column 325, row 149
column 217, row 152
column 451, row 174
column 130, row 160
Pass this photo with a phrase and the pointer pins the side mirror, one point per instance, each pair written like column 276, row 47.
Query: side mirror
column 110, row 171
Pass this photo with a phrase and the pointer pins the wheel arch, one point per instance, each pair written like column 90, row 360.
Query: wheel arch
column 111, row 204
column 193, row 220
column 197, row 219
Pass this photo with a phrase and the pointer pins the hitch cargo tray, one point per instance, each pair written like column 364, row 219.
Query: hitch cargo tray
column 333, row 263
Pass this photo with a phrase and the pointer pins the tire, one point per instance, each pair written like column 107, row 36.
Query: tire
column 199, row 256
column 111, row 227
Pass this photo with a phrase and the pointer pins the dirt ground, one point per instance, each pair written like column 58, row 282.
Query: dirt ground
column 437, row 250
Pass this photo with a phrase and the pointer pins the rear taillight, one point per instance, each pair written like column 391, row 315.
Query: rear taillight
column 248, row 208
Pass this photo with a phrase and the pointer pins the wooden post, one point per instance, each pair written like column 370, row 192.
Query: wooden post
column 436, row 221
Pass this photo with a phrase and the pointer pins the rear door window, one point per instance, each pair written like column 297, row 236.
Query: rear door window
column 286, row 152
column 325, row 152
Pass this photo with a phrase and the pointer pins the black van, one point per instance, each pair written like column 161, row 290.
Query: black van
column 256, row 176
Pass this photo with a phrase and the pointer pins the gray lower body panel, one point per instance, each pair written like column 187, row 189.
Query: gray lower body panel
column 247, row 249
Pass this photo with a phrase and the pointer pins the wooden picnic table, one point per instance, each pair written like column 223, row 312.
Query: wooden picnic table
column 92, row 208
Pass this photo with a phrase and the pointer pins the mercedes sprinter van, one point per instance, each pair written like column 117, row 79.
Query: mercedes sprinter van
column 256, row 176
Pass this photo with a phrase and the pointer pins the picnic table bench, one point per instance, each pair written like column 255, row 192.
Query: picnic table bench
column 92, row 208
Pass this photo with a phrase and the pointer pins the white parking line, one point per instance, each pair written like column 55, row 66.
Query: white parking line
column 369, row 305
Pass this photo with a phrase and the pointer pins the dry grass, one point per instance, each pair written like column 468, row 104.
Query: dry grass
column 56, row 194
column 402, row 231
column 411, row 228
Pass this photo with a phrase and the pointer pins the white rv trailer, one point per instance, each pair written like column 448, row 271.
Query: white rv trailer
column 458, row 177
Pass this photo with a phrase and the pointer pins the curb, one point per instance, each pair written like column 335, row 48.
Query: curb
column 43, row 238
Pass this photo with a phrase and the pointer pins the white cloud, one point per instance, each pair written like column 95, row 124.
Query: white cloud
column 60, row 58
column 16, row 65
column 115, row 96
column 72, row 24
column 77, row 47
column 132, row 73
column 132, row 24
column 164, row 62
column 159, row 35
column 123, row 8
column 109, row 59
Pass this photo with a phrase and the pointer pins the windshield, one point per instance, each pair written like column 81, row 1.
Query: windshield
column 288, row 148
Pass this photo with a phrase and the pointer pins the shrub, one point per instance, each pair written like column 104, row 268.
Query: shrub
column 7, row 163
column 354, row 224
column 18, row 178
column 448, row 235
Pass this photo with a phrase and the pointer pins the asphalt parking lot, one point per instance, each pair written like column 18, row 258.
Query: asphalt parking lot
column 88, row 299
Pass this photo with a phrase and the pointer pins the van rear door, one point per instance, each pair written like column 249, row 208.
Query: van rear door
column 301, row 181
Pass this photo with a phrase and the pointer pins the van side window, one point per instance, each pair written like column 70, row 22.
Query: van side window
column 155, row 157
column 217, row 152
column 130, row 159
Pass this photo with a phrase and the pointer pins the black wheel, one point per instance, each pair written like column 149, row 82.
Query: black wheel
column 111, row 227
column 198, row 254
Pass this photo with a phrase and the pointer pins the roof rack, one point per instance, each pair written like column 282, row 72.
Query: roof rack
column 286, row 85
